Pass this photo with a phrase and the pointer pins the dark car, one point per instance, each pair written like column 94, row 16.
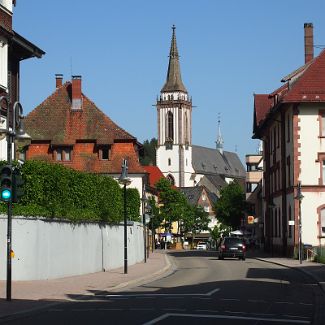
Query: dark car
column 232, row 247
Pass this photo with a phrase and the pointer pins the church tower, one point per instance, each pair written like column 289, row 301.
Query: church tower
column 174, row 115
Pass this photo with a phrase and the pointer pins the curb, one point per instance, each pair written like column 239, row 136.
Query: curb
column 320, row 284
column 144, row 278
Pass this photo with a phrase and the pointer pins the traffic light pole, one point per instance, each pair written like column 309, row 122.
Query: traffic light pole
column 9, row 223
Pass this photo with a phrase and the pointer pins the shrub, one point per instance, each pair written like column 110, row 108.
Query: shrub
column 54, row 191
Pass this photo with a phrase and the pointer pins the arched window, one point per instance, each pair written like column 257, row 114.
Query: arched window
column 171, row 179
column 170, row 126
column 186, row 129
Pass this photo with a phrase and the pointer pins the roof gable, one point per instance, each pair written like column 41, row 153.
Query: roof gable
column 54, row 121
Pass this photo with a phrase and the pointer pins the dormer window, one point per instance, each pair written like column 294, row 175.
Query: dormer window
column 63, row 154
column 104, row 152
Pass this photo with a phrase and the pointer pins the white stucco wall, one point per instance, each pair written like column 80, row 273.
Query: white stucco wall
column 48, row 249
column 162, row 162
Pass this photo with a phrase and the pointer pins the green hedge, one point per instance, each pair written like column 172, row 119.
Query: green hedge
column 54, row 191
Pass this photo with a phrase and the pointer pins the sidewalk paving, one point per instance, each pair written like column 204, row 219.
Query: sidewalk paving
column 28, row 296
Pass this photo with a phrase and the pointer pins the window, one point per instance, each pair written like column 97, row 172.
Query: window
column 104, row 152
column 169, row 162
column 322, row 222
column 171, row 179
column 63, row 154
column 323, row 172
column 3, row 63
column 186, row 129
column 288, row 128
column 170, row 126
column 322, row 124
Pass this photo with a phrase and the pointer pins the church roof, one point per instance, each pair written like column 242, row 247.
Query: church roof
column 211, row 161
column 174, row 79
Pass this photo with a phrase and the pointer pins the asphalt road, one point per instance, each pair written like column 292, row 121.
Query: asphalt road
column 199, row 289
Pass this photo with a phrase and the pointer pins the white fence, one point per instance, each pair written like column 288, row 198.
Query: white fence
column 45, row 249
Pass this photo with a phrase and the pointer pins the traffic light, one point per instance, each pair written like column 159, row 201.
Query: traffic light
column 17, row 184
column 6, row 183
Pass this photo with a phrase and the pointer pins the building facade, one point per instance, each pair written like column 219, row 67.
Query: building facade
column 291, row 123
column 13, row 49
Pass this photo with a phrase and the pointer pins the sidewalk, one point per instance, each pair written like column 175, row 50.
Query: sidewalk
column 28, row 296
column 312, row 269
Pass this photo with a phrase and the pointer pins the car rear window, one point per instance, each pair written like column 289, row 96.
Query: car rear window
column 233, row 241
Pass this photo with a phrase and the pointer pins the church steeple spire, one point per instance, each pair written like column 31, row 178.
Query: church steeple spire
column 174, row 79
column 219, row 141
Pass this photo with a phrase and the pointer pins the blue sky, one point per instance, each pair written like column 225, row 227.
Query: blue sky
column 229, row 50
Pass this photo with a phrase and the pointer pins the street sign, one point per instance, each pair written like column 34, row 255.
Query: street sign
column 250, row 220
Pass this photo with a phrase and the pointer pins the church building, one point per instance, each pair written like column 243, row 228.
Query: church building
column 185, row 164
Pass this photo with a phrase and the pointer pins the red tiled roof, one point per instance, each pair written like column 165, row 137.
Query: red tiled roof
column 306, row 84
column 155, row 174
column 310, row 85
column 54, row 120
column 262, row 105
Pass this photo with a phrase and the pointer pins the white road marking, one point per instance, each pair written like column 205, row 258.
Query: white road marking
column 147, row 295
column 230, row 299
column 284, row 302
column 274, row 320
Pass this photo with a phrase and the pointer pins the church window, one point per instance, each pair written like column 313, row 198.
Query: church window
column 186, row 129
column 171, row 179
column 170, row 126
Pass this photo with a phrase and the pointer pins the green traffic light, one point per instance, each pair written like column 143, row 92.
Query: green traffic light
column 6, row 195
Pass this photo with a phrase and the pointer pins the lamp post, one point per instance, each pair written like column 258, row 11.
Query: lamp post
column 17, row 131
column 299, row 197
column 124, row 180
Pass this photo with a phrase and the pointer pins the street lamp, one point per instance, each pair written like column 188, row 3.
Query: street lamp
column 124, row 180
column 16, row 132
column 299, row 197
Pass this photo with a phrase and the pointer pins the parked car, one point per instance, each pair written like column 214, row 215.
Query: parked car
column 232, row 247
column 201, row 245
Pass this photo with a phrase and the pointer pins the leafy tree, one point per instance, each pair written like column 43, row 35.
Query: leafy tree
column 196, row 220
column 231, row 205
column 148, row 156
column 220, row 230
column 173, row 203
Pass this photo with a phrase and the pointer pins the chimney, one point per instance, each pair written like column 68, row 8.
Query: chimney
column 58, row 80
column 76, row 92
column 309, row 42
